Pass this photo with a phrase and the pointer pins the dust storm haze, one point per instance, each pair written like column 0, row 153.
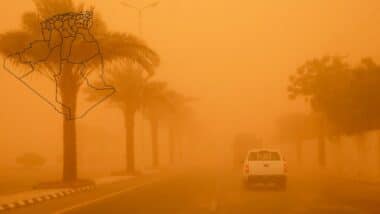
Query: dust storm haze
column 234, row 67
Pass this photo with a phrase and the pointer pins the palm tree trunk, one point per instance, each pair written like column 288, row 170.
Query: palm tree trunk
column 322, row 143
column 171, row 143
column 299, row 151
column 69, row 151
column 180, row 146
column 361, row 157
column 321, row 151
column 129, row 118
column 69, row 92
column 155, row 152
column 378, row 152
column 339, row 153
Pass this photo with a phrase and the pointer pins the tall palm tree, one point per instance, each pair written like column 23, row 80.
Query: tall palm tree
column 113, row 45
column 155, row 106
column 128, row 79
column 179, row 114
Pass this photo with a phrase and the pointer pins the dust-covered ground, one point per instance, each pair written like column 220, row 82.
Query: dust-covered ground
column 221, row 191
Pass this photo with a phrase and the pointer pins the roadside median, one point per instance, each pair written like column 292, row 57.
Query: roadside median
column 36, row 196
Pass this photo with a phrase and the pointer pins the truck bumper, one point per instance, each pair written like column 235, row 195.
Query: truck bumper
column 266, row 179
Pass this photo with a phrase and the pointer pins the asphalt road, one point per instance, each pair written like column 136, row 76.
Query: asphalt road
column 222, row 192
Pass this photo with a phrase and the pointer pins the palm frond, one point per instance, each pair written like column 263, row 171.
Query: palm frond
column 31, row 23
column 155, row 102
column 14, row 41
column 48, row 8
column 128, row 81
column 118, row 46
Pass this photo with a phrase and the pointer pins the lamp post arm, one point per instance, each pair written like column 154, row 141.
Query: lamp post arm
column 128, row 5
column 154, row 4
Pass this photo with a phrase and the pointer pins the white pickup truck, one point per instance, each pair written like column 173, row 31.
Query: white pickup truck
column 265, row 166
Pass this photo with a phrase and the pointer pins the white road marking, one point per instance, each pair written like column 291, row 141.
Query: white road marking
column 84, row 204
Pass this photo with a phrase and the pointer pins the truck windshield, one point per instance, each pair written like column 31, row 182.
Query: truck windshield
column 264, row 156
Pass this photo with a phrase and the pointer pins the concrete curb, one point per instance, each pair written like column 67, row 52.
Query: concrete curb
column 43, row 198
column 357, row 180
column 66, row 192
column 362, row 181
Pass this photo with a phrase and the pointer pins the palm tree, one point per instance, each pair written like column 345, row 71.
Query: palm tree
column 114, row 46
column 179, row 114
column 128, row 79
column 155, row 106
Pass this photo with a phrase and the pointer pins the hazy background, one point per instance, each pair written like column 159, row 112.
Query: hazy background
column 235, row 56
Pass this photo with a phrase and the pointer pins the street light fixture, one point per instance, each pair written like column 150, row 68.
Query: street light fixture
column 140, row 11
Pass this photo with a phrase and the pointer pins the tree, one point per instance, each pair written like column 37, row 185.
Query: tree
column 296, row 128
column 128, row 79
column 365, row 107
column 114, row 46
column 346, row 97
column 155, row 105
column 324, row 84
column 179, row 114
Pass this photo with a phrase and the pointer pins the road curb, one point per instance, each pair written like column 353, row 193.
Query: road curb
column 357, row 180
column 43, row 198
column 364, row 181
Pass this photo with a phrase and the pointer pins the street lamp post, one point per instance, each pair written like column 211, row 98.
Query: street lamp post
column 140, row 11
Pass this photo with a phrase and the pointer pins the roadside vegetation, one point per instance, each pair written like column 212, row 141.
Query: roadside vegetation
column 344, row 100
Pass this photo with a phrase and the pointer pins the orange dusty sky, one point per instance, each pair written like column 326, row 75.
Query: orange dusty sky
column 235, row 56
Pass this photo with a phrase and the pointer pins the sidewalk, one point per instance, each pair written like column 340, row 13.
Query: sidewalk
column 36, row 196
column 30, row 197
column 16, row 179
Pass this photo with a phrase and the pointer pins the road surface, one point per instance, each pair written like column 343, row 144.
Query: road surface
column 218, row 192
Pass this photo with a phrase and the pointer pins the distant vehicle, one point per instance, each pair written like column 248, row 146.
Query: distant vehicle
column 264, row 166
column 243, row 143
